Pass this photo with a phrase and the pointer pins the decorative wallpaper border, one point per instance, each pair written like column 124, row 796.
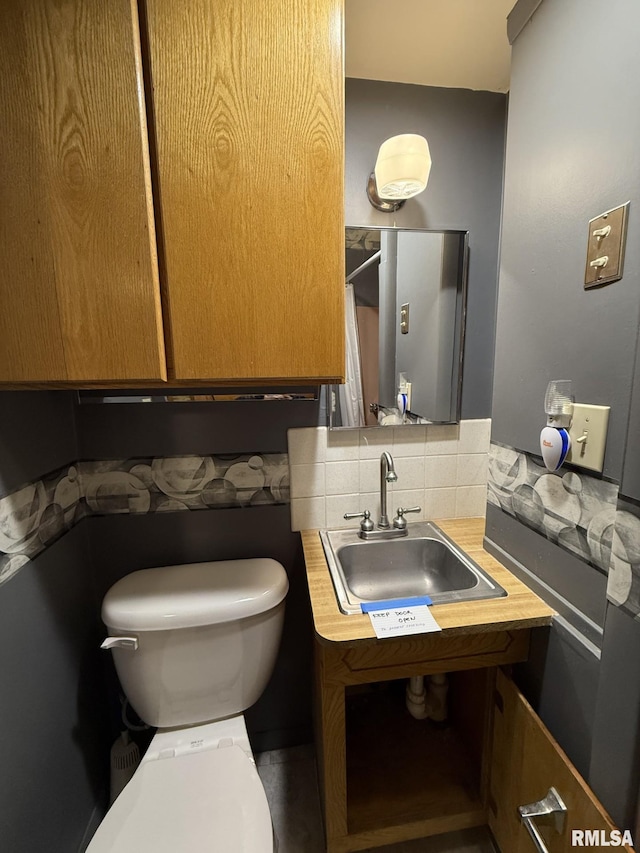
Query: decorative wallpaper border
column 623, row 583
column 582, row 514
column 574, row 510
column 37, row 514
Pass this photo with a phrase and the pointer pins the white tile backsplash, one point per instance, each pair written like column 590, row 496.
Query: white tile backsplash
column 441, row 468
column 440, row 503
column 442, row 439
column 369, row 475
column 307, row 445
column 410, row 471
column 374, row 441
column 342, row 445
column 409, row 441
column 308, row 514
column 472, row 469
column 342, row 478
column 440, row 471
column 474, row 436
column 307, row 481
column 337, row 505
column 471, row 501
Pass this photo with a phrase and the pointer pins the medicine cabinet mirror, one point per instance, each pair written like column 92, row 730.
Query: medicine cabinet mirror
column 405, row 310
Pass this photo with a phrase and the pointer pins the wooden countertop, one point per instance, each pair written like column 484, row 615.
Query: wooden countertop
column 521, row 608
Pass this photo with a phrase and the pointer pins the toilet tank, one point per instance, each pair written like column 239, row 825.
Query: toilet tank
column 207, row 637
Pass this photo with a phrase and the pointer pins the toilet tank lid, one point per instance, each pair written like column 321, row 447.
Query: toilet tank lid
column 194, row 594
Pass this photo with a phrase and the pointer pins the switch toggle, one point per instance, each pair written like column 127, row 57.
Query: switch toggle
column 588, row 433
column 605, row 248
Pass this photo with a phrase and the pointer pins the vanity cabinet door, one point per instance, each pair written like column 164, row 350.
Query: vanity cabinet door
column 525, row 763
column 79, row 292
column 248, row 116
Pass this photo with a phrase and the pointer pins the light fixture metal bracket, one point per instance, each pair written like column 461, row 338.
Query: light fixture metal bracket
column 385, row 205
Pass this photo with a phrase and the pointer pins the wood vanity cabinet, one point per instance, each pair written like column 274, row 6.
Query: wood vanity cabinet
column 172, row 175
column 386, row 777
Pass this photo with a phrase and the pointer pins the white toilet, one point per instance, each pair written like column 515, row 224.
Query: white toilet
column 194, row 646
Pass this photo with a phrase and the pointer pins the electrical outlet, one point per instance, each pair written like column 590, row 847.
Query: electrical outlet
column 588, row 433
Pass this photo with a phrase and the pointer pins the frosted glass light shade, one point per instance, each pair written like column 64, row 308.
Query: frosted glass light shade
column 403, row 166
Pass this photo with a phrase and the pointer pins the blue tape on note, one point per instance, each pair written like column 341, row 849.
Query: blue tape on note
column 394, row 602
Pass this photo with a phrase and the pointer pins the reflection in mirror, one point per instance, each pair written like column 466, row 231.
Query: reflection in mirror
column 198, row 395
column 405, row 312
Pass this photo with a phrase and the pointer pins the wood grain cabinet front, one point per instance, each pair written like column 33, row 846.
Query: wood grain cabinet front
column 387, row 777
column 79, row 293
column 248, row 115
column 201, row 139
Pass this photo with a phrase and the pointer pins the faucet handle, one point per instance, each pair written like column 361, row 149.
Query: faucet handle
column 400, row 522
column 366, row 525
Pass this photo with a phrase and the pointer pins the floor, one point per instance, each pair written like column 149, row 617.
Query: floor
column 289, row 779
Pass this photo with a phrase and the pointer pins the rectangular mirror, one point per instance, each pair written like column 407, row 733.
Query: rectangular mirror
column 405, row 314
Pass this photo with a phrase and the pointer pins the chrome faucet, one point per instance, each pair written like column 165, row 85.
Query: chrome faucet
column 387, row 475
column 367, row 530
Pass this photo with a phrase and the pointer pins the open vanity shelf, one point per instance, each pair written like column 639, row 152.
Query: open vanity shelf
column 385, row 777
column 403, row 771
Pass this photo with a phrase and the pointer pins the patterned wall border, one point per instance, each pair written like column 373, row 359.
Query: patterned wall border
column 34, row 516
column 573, row 510
column 580, row 513
column 623, row 584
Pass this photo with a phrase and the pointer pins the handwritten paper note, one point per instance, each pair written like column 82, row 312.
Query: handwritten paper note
column 400, row 618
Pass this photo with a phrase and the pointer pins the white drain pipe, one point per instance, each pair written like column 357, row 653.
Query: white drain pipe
column 428, row 704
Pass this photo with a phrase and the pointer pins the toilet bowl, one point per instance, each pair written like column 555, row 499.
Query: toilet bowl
column 194, row 646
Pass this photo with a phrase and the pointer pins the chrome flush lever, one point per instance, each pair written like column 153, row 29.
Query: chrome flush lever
column 120, row 643
column 551, row 804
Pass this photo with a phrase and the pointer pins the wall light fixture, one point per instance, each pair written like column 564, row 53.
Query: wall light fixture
column 401, row 171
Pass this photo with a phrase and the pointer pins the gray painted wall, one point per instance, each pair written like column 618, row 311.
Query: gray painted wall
column 54, row 764
column 37, row 435
column 573, row 151
column 563, row 167
column 615, row 755
column 465, row 131
column 630, row 486
column 559, row 656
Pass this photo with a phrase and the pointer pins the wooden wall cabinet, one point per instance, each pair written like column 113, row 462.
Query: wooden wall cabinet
column 385, row 777
column 202, row 140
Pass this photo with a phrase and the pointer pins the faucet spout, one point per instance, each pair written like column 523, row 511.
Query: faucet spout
column 387, row 475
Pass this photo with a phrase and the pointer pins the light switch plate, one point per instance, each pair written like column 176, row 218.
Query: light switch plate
column 606, row 246
column 592, row 422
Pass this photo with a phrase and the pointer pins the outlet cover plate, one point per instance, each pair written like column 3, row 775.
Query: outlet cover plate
column 593, row 422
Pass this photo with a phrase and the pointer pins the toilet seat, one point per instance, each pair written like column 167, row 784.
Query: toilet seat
column 205, row 801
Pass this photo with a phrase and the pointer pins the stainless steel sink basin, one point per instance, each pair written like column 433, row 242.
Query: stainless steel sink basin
column 425, row 562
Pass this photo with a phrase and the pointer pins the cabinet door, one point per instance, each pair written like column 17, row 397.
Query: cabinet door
column 525, row 763
column 248, row 113
column 79, row 294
